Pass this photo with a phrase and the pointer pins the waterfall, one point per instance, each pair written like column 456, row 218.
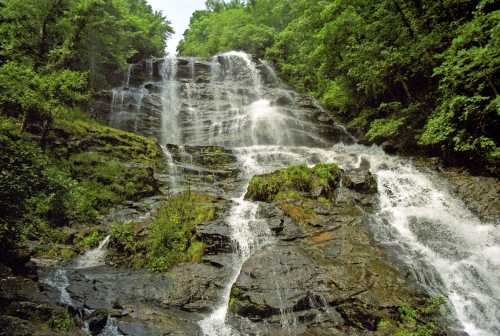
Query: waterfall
column 95, row 257
column 233, row 101
column 440, row 232
column 59, row 280
column 170, row 103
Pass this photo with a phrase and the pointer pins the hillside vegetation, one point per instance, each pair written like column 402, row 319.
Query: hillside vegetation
column 422, row 75
column 59, row 167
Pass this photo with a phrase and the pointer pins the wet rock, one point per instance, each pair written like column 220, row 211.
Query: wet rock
column 323, row 269
column 278, row 278
column 97, row 321
column 216, row 235
column 390, row 147
column 481, row 194
column 360, row 181
column 283, row 100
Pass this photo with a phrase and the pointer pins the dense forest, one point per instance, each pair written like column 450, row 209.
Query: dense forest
column 422, row 76
column 55, row 55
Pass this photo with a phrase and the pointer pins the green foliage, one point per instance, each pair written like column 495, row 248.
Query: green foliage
column 322, row 178
column 385, row 128
column 39, row 97
column 97, row 37
column 62, row 322
column 414, row 321
column 92, row 239
column 22, row 166
column 54, row 55
column 42, row 193
column 171, row 236
column 230, row 29
column 423, row 72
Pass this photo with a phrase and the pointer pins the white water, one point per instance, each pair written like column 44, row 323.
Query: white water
column 94, row 257
column 448, row 250
column 59, row 280
column 170, row 103
column 441, row 232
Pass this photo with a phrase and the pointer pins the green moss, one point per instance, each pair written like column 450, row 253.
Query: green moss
column 118, row 180
column 195, row 251
column 234, row 297
column 321, row 179
column 288, row 196
column 90, row 136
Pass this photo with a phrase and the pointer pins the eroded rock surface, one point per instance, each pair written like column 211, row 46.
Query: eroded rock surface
column 322, row 274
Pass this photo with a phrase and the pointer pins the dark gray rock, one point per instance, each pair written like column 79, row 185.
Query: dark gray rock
column 360, row 181
column 97, row 321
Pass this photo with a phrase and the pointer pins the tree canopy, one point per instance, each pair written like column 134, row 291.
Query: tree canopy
column 56, row 53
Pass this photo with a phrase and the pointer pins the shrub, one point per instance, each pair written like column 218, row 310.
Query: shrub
column 171, row 236
column 62, row 322
column 414, row 321
column 385, row 128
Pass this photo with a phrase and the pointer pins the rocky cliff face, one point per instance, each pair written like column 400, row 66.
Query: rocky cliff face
column 191, row 101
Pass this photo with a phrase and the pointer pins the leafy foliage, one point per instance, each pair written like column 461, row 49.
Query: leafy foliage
column 425, row 73
column 54, row 54
column 42, row 193
column 171, row 236
column 414, row 321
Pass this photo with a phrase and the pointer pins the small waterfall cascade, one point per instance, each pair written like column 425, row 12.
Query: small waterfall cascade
column 59, row 280
column 234, row 101
column 95, row 257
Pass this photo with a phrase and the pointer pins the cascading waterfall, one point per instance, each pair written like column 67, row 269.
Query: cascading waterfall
column 448, row 249
column 170, row 103
column 440, row 232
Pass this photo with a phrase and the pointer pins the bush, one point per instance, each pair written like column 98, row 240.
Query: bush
column 385, row 128
column 171, row 236
column 62, row 322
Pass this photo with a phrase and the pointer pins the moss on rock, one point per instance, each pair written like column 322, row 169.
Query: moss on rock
column 320, row 180
column 171, row 236
column 77, row 173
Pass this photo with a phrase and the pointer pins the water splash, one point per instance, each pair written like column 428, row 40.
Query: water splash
column 441, row 233
column 95, row 257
